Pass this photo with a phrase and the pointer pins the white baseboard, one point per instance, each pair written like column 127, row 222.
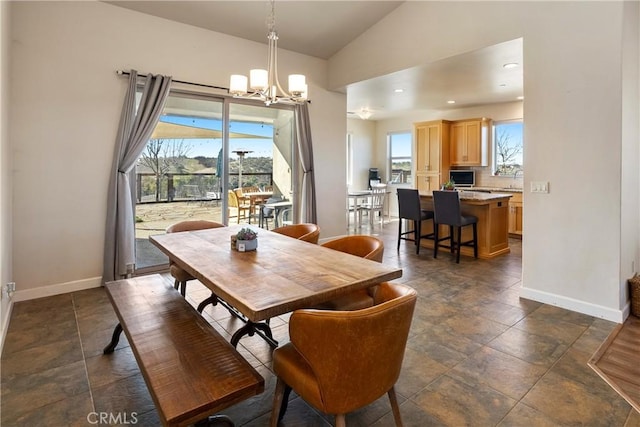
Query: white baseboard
column 57, row 289
column 594, row 310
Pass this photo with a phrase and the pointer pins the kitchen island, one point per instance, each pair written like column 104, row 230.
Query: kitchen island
column 492, row 210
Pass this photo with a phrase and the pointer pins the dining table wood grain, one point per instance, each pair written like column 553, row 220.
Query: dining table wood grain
column 282, row 275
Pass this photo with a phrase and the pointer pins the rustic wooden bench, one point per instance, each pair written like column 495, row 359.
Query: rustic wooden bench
column 191, row 371
column 616, row 361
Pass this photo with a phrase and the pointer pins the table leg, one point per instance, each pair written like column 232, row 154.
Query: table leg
column 276, row 216
column 115, row 337
column 250, row 328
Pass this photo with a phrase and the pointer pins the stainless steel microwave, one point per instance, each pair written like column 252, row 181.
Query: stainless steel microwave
column 463, row 178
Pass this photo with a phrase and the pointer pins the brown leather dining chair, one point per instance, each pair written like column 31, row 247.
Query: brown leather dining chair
column 319, row 362
column 367, row 247
column 306, row 232
column 182, row 277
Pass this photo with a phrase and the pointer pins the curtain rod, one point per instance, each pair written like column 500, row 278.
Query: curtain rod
column 127, row 73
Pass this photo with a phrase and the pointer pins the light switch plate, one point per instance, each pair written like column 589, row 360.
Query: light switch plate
column 539, row 186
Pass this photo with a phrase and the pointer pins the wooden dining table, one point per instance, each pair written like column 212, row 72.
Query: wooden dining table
column 284, row 274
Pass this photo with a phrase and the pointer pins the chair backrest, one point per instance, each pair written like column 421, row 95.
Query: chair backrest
column 306, row 232
column 266, row 210
column 377, row 196
column 251, row 189
column 446, row 208
column 409, row 204
column 367, row 247
column 351, row 379
column 191, row 225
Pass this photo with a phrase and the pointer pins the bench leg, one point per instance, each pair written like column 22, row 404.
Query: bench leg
column 115, row 337
column 215, row 421
column 250, row 328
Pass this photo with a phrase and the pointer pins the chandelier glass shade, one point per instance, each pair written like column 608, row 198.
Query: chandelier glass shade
column 264, row 84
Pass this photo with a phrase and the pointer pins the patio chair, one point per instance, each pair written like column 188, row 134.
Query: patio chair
column 242, row 209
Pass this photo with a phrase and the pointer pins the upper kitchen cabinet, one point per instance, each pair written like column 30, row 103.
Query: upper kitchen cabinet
column 469, row 142
column 432, row 154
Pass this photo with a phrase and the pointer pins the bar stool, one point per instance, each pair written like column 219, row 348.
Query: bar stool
column 446, row 205
column 409, row 208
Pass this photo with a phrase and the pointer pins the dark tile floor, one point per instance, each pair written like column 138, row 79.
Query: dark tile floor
column 477, row 355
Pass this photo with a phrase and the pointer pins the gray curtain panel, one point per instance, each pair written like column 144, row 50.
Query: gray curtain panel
column 305, row 147
column 136, row 126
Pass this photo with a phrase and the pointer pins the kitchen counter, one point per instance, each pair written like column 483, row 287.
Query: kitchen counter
column 492, row 211
column 492, row 189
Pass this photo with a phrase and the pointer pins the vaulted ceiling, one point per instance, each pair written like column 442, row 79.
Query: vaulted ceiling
column 322, row 28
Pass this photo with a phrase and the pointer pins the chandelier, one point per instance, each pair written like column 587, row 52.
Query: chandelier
column 264, row 84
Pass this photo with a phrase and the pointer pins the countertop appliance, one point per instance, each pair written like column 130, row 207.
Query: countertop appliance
column 374, row 177
column 463, row 178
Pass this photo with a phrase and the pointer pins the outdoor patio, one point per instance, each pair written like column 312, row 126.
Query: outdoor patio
column 154, row 218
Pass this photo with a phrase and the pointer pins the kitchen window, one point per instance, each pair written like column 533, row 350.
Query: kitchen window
column 508, row 144
column 400, row 157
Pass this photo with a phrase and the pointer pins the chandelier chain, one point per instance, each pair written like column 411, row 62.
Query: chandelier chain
column 271, row 18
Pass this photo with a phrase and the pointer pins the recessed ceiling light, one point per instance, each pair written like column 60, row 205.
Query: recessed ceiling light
column 520, row 98
column 451, row 101
column 399, row 90
column 510, row 65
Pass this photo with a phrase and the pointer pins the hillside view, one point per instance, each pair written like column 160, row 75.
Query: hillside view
column 166, row 172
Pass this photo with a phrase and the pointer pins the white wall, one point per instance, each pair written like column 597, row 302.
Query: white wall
column 630, row 207
column 573, row 111
column 5, row 169
column 364, row 154
column 65, row 110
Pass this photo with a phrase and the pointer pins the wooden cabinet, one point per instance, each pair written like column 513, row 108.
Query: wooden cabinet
column 515, row 215
column 432, row 154
column 469, row 142
column 426, row 183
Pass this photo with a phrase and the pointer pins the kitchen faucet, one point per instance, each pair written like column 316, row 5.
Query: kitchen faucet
column 515, row 175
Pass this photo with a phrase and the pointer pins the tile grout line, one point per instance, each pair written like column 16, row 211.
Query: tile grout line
column 84, row 358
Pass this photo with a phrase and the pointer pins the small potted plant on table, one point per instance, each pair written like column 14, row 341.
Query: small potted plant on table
column 449, row 185
column 246, row 240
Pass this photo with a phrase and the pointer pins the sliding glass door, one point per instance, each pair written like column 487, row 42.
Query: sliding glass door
column 202, row 147
column 261, row 163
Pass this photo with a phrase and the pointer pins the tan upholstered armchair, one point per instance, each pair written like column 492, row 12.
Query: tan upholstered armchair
column 182, row 277
column 320, row 362
column 368, row 247
column 306, row 232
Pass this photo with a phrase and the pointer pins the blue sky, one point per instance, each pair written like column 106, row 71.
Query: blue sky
column 211, row 147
